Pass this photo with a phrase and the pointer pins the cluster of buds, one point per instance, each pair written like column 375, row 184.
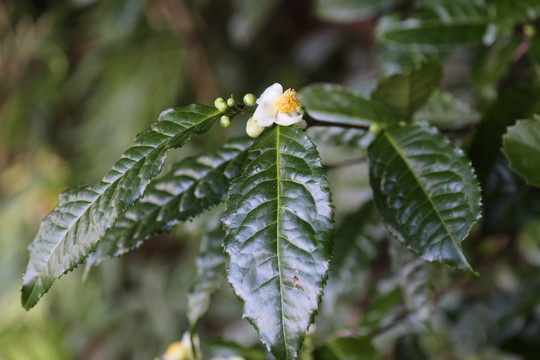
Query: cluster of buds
column 231, row 105
column 273, row 106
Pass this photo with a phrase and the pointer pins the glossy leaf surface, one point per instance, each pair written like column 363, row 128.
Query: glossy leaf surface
column 192, row 186
column 405, row 93
column 522, row 147
column 75, row 226
column 279, row 223
column 210, row 274
column 425, row 191
column 346, row 348
column 337, row 104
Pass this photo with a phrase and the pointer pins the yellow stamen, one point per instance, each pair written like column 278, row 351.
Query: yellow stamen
column 288, row 102
column 174, row 348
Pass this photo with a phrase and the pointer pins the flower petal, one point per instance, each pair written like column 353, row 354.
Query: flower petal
column 286, row 119
column 271, row 94
column 264, row 115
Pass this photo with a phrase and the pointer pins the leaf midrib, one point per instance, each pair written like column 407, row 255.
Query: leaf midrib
column 278, row 203
column 409, row 167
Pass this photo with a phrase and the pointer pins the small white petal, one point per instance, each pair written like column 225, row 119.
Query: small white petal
column 271, row 94
column 252, row 129
column 286, row 119
column 265, row 115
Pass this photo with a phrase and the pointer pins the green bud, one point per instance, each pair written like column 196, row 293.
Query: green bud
column 375, row 129
column 252, row 129
column 225, row 121
column 231, row 102
column 220, row 104
column 249, row 99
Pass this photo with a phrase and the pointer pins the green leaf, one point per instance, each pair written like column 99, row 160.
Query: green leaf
column 517, row 100
column 346, row 348
column 448, row 10
column 279, row 223
column 350, row 10
column 416, row 278
column 431, row 33
column 446, row 111
column 339, row 105
column 75, row 226
column 521, row 145
column 405, row 93
column 210, row 274
column 425, row 191
column 192, row 186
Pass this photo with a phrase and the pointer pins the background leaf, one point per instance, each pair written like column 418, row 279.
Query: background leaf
column 355, row 247
column 337, row 104
column 72, row 230
column 425, row 191
column 446, row 111
column 210, row 274
column 405, row 93
column 517, row 100
column 521, row 145
column 346, row 348
column 433, row 32
column 509, row 12
column 192, row 186
column 279, row 224
column 350, row 10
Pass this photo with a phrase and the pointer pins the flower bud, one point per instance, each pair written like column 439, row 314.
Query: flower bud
column 375, row 129
column 231, row 102
column 252, row 129
column 220, row 104
column 225, row 121
column 249, row 99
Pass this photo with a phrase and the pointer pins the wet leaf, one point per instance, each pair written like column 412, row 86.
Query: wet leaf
column 279, row 223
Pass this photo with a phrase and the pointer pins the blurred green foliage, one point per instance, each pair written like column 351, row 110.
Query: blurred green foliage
column 81, row 78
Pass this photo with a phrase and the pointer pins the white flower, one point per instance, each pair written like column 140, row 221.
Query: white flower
column 276, row 106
